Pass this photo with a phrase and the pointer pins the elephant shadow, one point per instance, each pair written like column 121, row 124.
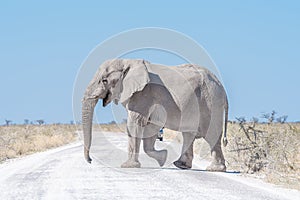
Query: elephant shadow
column 191, row 170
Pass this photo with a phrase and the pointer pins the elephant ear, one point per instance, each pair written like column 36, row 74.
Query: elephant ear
column 135, row 78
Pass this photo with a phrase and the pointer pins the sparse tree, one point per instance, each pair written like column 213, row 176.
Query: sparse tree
column 255, row 119
column 272, row 118
column 266, row 116
column 72, row 122
column 8, row 122
column 269, row 117
column 40, row 121
column 282, row 119
column 26, row 121
column 112, row 122
column 241, row 120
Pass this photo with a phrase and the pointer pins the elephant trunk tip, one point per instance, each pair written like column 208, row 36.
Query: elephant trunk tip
column 89, row 160
column 87, row 156
column 225, row 141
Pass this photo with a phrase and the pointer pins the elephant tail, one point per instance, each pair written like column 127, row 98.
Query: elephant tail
column 225, row 141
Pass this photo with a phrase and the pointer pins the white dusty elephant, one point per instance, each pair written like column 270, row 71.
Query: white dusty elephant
column 186, row 98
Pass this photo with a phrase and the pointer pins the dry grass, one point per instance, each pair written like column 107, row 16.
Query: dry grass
column 19, row 140
column 271, row 151
column 110, row 127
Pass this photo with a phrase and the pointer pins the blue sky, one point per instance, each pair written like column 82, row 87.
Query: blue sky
column 255, row 45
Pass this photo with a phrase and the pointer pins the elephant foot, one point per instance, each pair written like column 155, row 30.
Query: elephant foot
column 182, row 165
column 159, row 156
column 163, row 157
column 131, row 164
column 216, row 167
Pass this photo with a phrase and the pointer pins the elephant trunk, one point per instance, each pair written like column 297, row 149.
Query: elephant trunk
column 88, row 106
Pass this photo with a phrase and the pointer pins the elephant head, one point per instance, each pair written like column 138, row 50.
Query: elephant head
column 116, row 80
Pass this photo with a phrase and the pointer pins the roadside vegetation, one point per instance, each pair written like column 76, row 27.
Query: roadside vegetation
column 270, row 151
column 19, row 140
column 267, row 148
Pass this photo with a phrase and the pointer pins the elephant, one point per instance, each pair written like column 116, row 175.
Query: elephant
column 187, row 98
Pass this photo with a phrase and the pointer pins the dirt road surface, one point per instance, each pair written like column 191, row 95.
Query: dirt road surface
column 62, row 173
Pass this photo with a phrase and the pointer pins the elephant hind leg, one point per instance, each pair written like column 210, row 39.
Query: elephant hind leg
column 149, row 138
column 187, row 154
column 218, row 161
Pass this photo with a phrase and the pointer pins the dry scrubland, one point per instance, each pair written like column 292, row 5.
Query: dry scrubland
column 268, row 151
column 19, row 140
column 271, row 151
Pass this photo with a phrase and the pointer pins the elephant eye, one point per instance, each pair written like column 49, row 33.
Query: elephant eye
column 104, row 81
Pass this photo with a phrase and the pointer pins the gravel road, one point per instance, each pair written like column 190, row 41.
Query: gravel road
column 62, row 173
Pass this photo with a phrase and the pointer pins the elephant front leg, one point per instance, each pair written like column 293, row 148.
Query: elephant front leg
column 149, row 138
column 218, row 161
column 187, row 154
column 134, row 142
